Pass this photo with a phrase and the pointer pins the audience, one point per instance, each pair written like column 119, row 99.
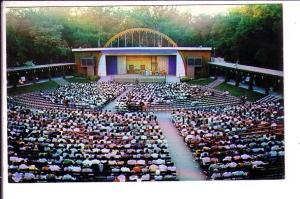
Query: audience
column 85, row 95
column 55, row 146
column 170, row 95
column 233, row 142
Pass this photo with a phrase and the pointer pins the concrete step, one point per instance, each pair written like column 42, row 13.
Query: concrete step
column 269, row 98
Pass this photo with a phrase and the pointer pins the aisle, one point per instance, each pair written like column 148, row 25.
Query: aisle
column 112, row 105
column 181, row 155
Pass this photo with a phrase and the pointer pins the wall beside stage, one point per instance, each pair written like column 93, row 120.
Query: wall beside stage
column 84, row 67
column 196, row 70
column 163, row 63
column 122, row 65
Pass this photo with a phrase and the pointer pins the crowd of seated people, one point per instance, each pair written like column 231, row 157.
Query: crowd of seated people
column 235, row 142
column 168, row 94
column 155, row 93
column 86, row 95
column 73, row 145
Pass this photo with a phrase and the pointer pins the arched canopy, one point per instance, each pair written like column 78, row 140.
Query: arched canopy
column 143, row 35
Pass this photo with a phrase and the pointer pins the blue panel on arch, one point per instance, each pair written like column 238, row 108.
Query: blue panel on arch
column 172, row 65
column 111, row 65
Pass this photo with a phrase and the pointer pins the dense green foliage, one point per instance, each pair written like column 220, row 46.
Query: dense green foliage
column 251, row 34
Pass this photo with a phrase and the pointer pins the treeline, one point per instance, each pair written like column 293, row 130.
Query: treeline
column 250, row 34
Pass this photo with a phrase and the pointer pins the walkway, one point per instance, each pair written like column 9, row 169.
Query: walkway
column 180, row 154
column 61, row 81
column 215, row 83
column 111, row 106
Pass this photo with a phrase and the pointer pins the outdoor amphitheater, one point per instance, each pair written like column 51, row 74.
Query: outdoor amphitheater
column 142, row 108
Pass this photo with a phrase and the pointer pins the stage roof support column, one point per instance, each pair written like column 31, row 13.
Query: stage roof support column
column 49, row 73
column 33, row 76
column 216, row 73
column 226, row 75
column 267, row 84
column 64, row 72
column 251, row 82
column 15, row 78
column 237, row 78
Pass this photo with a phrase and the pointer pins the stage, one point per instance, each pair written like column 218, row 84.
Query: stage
column 132, row 78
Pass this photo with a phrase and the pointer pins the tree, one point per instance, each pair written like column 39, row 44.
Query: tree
column 251, row 34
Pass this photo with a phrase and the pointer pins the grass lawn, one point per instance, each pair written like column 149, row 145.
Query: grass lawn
column 78, row 80
column 201, row 81
column 32, row 88
column 238, row 92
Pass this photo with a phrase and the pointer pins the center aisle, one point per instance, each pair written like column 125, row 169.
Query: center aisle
column 187, row 169
column 111, row 106
column 180, row 154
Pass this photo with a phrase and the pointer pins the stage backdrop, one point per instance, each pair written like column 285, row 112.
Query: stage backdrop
column 162, row 63
column 122, row 65
column 138, row 61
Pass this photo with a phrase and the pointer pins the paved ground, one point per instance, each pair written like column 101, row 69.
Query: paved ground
column 187, row 168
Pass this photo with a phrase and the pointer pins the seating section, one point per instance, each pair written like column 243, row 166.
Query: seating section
column 73, row 96
column 235, row 142
column 270, row 98
column 34, row 100
column 159, row 97
column 59, row 146
column 63, row 135
column 142, row 96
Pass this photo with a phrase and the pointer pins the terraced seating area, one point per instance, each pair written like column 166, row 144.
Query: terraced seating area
column 269, row 98
column 235, row 142
column 63, row 146
column 51, row 141
column 161, row 97
column 143, row 96
column 34, row 100
column 73, row 96
column 87, row 95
